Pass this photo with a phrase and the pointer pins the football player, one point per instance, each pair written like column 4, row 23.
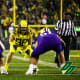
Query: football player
column 2, row 48
column 46, row 41
column 20, row 41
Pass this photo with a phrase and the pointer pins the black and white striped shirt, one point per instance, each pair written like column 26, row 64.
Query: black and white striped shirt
column 65, row 28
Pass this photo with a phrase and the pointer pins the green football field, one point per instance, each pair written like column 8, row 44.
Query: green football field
column 47, row 68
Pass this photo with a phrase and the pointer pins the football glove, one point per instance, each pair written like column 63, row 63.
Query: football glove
column 28, row 51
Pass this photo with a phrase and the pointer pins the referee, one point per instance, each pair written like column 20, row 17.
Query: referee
column 65, row 29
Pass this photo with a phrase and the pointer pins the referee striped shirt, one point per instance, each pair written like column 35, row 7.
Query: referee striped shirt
column 65, row 28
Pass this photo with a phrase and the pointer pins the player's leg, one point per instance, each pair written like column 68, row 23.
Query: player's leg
column 1, row 61
column 32, row 66
column 9, row 57
column 8, row 60
column 3, row 71
column 61, row 61
column 56, row 58
column 1, row 57
column 57, row 61
column 59, row 53
column 61, row 58
column 34, row 59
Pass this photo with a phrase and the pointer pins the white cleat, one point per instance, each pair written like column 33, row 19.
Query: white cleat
column 4, row 72
column 63, row 71
column 29, row 72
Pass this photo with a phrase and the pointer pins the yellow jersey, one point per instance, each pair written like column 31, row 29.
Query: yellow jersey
column 20, row 40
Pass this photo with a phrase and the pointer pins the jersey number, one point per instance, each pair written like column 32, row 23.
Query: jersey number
column 20, row 42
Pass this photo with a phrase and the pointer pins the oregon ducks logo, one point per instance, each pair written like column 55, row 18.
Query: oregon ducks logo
column 68, row 68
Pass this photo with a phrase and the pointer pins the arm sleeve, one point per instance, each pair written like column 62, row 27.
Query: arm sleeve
column 57, row 25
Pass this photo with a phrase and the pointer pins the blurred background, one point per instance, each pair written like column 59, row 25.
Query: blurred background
column 36, row 11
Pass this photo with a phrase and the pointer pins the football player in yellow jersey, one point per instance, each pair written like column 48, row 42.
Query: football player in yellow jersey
column 20, row 41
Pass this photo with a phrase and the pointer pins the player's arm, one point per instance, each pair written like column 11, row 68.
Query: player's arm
column 11, row 38
column 29, row 49
column 30, row 41
column 36, row 44
column 60, row 38
column 62, row 41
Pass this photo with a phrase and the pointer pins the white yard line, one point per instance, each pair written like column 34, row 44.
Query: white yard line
column 57, row 74
column 45, row 75
column 39, row 69
column 40, row 62
column 24, row 69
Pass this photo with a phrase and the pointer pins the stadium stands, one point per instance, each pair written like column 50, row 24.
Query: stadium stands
column 35, row 11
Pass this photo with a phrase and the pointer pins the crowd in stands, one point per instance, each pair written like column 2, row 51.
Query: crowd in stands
column 35, row 11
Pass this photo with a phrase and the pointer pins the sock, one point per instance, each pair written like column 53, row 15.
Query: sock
column 6, row 66
column 2, row 68
column 31, row 66
column 35, row 66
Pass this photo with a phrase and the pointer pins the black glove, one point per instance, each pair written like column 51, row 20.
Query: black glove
column 28, row 51
column 15, row 47
column 20, row 52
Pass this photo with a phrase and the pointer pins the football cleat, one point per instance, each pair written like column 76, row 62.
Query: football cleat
column 31, row 71
column 3, row 71
column 35, row 70
column 63, row 71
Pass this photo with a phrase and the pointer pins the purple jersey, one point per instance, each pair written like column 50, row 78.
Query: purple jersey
column 47, row 41
column 48, row 38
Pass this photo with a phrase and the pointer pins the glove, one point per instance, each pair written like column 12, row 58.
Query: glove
column 25, row 56
column 15, row 46
column 20, row 52
column 29, row 50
